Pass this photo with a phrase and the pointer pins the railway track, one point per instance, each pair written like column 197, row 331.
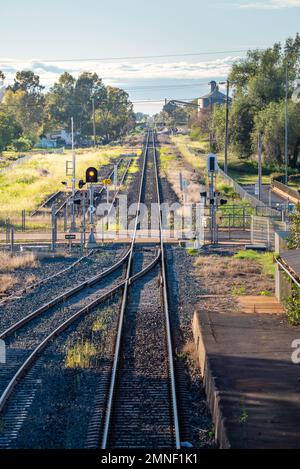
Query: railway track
column 137, row 405
column 142, row 386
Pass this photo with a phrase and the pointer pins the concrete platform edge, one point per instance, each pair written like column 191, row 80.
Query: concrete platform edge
column 200, row 330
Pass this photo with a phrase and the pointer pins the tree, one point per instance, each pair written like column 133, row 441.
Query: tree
column 28, row 111
column 241, row 123
column 115, row 116
column 26, row 100
column 88, row 87
column 9, row 128
column 259, row 83
column 74, row 98
column 271, row 122
column 294, row 237
column 60, row 102
column 27, row 81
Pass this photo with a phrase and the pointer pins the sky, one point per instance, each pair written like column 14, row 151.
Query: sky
column 119, row 40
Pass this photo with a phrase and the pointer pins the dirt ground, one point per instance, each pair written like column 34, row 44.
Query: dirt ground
column 223, row 278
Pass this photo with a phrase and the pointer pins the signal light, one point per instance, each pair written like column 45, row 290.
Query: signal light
column 81, row 183
column 91, row 175
column 223, row 201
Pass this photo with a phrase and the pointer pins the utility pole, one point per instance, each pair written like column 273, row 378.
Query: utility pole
column 94, row 121
column 73, row 223
column 226, row 128
column 259, row 146
column 227, row 83
column 286, row 128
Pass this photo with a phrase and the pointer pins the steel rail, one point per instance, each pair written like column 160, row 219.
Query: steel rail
column 111, row 392
column 62, row 327
column 62, row 297
column 32, row 214
column 45, row 280
column 285, row 269
column 166, row 311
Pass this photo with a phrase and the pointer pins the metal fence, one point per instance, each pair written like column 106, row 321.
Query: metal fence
column 289, row 191
column 263, row 231
column 244, row 195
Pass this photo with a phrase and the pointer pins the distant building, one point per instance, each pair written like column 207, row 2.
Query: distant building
column 209, row 100
column 55, row 139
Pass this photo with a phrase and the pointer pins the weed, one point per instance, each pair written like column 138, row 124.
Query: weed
column 264, row 259
column 244, row 417
column 265, row 293
column 192, row 251
column 238, row 290
column 6, row 283
column 10, row 263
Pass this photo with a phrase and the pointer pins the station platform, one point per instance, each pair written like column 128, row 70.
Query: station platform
column 251, row 382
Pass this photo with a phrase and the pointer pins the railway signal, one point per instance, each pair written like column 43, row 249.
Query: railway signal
column 212, row 170
column 91, row 178
column 81, row 184
column 91, row 175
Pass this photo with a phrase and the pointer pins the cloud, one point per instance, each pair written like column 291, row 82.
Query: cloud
column 112, row 72
column 270, row 5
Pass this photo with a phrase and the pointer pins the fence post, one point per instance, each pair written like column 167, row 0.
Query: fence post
column 23, row 220
column 12, row 239
column 65, row 218
column 54, row 228
column 268, row 232
column 7, row 230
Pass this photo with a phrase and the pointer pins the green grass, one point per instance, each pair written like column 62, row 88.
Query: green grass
column 264, row 259
column 166, row 158
column 182, row 142
column 238, row 290
column 242, row 171
column 192, row 251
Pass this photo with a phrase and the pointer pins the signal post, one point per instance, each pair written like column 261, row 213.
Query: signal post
column 91, row 178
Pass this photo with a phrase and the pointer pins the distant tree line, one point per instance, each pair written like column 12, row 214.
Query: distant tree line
column 27, row 112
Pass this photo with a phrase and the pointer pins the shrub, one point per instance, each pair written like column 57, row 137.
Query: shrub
column 21, row 144
column 292, row 306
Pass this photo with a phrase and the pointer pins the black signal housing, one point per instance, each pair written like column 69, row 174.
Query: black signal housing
column 91, row 175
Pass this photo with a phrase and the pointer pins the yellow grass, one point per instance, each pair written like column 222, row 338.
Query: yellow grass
column 6, row 282
column 81, row 355
column 10, row 263
column 182, row 143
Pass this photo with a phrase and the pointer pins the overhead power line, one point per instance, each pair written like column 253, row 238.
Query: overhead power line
column 161, row 56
